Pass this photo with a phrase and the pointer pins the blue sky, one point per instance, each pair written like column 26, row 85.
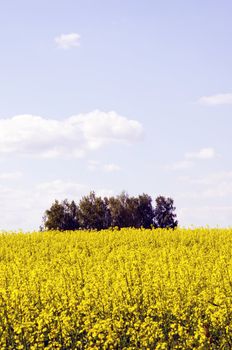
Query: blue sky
column 111, row 96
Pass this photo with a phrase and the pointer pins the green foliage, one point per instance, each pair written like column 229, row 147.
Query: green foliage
column 62, row 216
column 145, row 211
column 93, row 212
column 131, row 211
column 119, row 208
column 164, row 213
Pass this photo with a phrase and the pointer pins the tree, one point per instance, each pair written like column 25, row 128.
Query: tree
column 164, row 216
column 145, row 211
column 93, row 212
column 119, row 209
column 122, row 211
column 128, row 211
column 61, row 216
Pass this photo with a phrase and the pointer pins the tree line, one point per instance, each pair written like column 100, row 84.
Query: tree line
column 94, row 212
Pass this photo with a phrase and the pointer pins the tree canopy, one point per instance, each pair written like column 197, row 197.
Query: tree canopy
column 62, row 216
column 93, row 212
column 164, row 215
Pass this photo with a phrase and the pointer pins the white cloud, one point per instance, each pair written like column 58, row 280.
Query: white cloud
column 93, row 165
column 211, row 179
column 204, row 153
column 205, row 215
column 59, row 189
column 218, row 99
column 217, row 185
column 16, row 206
column 190, row 157
column 111, row 167
column 67, row 41
column 103, row 192
column 180, row 165
column 11, row 175
column 72, row 137
column 23, row 208
column 220, row 191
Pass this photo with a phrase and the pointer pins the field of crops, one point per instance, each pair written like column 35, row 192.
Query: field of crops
column 128, row 289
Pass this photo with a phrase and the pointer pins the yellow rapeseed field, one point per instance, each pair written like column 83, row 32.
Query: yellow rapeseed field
column 128, row 289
